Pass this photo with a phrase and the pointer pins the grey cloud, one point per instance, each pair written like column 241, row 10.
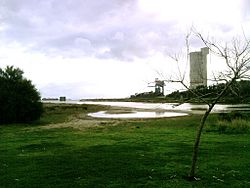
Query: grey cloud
column 103, row 28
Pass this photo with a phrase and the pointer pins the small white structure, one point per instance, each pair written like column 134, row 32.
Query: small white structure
column 198, row 68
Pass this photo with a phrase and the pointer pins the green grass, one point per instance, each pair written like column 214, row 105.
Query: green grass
column 132, row 153
column 230, row 123
column 59, row 113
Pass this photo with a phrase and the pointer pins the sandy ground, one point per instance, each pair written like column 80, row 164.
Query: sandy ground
column 82, row 124
column 83, row 121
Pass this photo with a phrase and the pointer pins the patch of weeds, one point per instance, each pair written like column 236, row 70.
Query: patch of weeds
column 236, row 126
column 233, row 115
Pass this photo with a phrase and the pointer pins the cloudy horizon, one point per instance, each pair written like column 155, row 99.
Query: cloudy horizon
column 108, row 48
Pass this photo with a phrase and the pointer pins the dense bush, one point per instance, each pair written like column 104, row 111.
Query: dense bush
column 19, row 99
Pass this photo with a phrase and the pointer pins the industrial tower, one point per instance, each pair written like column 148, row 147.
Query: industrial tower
column 159, row 86
column 198, row 68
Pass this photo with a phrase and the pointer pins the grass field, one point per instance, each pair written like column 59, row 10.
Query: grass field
column 68, row 149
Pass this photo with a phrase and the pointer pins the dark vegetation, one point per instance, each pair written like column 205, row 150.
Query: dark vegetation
column 238, row 93
column 147, row 95
column 19, row 99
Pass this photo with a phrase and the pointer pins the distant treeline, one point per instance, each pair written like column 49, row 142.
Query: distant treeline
column 150, row 94
column 239, row 92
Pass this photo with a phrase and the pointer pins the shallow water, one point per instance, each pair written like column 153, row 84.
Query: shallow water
column 174, row 106
column 104, row 114
column 152, row 109
column 171, row 109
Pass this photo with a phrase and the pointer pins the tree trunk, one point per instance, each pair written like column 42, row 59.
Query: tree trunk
column 197, row 142
column 200, row 128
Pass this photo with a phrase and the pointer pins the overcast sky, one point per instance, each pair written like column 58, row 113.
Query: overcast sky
column 108, row 48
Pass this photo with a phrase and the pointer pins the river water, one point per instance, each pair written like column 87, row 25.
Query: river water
column 157, row 110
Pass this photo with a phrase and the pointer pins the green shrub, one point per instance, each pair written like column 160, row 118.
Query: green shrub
column 239, row 126
column 236, row 126
column 233, row 115
column 19, row 99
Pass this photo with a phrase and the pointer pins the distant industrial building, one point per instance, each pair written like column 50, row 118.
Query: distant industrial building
column 198, row 68
column 62, row 98
column 158, row 90
column 159, row 86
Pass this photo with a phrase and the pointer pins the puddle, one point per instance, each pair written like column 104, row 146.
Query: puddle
column 104, row 114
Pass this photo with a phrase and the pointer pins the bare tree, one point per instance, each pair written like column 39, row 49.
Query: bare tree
column 236, row 57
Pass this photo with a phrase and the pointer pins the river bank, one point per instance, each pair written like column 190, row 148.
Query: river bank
column 67, row 148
